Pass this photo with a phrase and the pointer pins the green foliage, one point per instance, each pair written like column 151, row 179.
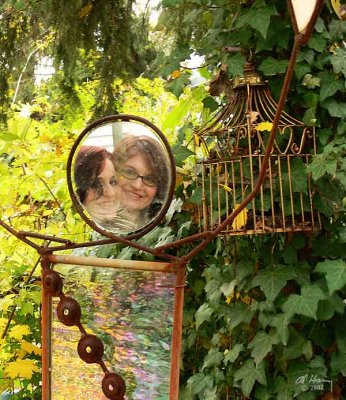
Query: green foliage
column 34, row 198
column 262, row 313
column 85, row 40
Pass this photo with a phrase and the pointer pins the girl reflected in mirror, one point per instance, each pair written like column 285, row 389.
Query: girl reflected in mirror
column 142, row 175
column 95, row 179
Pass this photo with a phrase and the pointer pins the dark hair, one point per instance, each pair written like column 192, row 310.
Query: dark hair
column 151, row 150
column 88, row 166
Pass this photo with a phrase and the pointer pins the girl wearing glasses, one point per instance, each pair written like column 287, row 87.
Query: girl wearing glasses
column 142, row 177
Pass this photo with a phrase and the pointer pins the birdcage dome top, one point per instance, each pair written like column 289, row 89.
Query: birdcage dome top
column 250, row 104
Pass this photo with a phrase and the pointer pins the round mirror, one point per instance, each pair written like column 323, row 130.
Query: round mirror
column 121, row 175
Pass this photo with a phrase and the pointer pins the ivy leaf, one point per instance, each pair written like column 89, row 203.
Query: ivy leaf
column 335, row 108
column 318, row 43
column 300, row 373
column 272, row 281
column 329, row 86
column 248, row 374
column 280, row 323
column 298, row 174
column 342, row 234
column 335, row 273
column 297, row 346
column 213, row 358
column 341, row 178
column 271, row 66
column 238, row 314
column 261, row 345
column 180, row 154
column 338, row 360
column 257, row 18
column 320, row 165
column 301, row 70
column 329, row 306
column 283, row 389
column 213, row 290
column 178, row 85
column 203, row 314
column 339, row 61
column 306, row 303
column 310, row 81
column 228, row 288
column 21, row 368
column 210, row 103
column 235, row 64
column 233, row 353
column 199, row 382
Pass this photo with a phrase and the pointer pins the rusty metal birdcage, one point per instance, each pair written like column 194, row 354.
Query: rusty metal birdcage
column 235, row 140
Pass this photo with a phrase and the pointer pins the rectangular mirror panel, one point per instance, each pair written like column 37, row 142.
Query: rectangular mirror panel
column 132, row 313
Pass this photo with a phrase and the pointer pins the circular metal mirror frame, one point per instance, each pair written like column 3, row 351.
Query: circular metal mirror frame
column 122, row 118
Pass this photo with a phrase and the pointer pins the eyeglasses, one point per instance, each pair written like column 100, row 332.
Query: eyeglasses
column 132, row 175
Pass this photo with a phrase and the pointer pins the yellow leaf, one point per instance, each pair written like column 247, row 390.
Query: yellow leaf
column 31, row 348
column 197, row 140
column 18, row 331
column 47, row 212
column 265, row 126
column 227, row 188
column 23, row 208
column 7, row 302
column 21, row 369
column 3, row 322
column 45, row 139
column 85, row 10
column 175, row 74
column 241, row 219
column 4, row 384
column 336, row 5
column 21, row 354
column 245, row 299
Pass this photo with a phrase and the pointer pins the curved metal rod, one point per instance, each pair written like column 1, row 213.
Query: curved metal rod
column 19, row 235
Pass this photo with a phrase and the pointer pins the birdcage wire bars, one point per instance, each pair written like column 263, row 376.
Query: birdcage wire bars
column 234, row 142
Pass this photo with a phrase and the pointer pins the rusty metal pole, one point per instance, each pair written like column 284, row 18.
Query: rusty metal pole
column 46, row 337
column 177, row 331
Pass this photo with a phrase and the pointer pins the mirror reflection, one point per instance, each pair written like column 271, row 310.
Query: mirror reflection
column 122, row 176
column 132, row 313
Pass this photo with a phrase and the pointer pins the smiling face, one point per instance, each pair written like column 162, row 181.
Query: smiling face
column 102, row 198
column 134, row 194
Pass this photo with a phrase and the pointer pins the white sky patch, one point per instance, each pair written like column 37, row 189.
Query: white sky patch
column 194, row 62
column 44, row 70
column 152, row 5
